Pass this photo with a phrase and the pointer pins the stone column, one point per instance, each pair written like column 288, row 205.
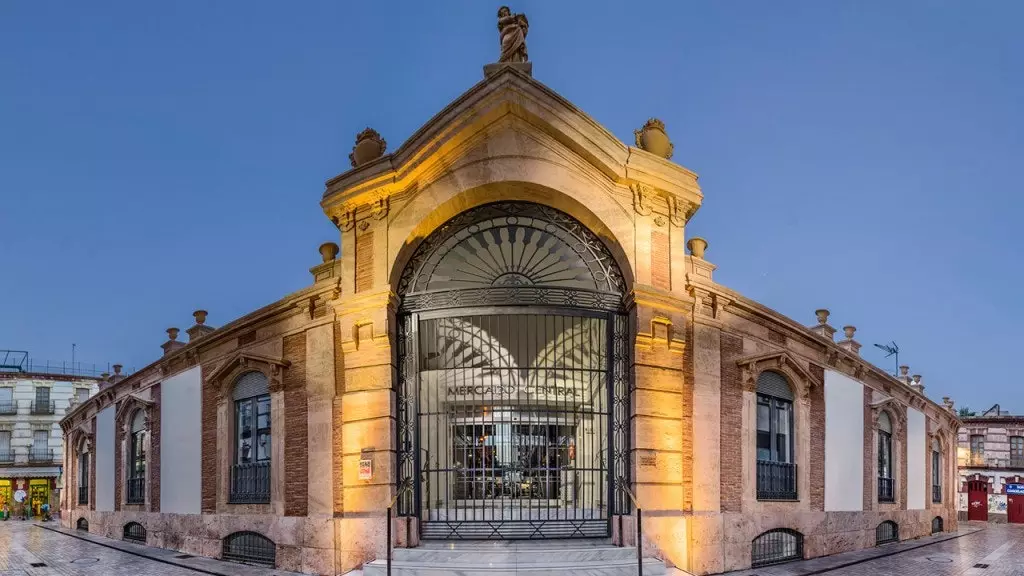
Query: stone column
column 367, row 420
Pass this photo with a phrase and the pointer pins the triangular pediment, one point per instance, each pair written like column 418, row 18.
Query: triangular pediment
column 777, row 359
column 509, row 104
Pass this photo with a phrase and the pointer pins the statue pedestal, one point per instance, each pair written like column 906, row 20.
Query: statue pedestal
column 492, row 69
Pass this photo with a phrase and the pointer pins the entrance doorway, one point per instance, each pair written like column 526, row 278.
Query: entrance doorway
column 977, row 500
column 1014, row 502
column 513, row 393
column 39, row 494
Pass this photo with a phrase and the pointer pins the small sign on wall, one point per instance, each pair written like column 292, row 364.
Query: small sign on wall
column 366, row 465
column 1015, row 489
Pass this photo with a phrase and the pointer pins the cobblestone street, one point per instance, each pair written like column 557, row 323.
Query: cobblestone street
column 30, row 550
column 1000, row 547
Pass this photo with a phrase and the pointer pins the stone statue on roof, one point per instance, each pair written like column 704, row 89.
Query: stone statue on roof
column 513, row 29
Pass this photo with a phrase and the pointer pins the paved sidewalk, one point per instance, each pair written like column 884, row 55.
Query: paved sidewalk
column 942, row 554
column 37, row 549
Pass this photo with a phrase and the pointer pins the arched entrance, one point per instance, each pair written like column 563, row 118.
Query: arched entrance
column 512, row 378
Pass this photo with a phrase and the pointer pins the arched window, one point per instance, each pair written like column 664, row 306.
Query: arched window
column 83, row 474
column 250, row 472
column 887, row 532
column 936, row 524
column 134, row 532
column 775, row 546
column 776, row 468
column 936, row 473
column 82, row 524
column 249, row 548
column 137, row 460
column 885, row 481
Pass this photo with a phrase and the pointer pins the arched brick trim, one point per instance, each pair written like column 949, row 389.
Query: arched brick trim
column 898, row 418
column 127, row 407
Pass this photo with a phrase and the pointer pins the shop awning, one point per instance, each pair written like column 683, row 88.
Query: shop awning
column 29, row 472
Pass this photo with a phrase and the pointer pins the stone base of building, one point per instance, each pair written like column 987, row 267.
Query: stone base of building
column 716, row 542
column 724, row 542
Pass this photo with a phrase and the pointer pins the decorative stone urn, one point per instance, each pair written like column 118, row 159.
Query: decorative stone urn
column 849, row 331
column 328, row 251
column 697, row 247
column 822, row 315
column 653, row 138
column 200, row 316
column 369, row 146
column 172, row 333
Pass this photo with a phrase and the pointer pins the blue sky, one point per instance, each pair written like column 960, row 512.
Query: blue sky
column 156, row 158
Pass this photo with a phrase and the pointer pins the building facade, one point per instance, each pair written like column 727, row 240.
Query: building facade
column 990, row 456
column 32, row 403
column 513, row 343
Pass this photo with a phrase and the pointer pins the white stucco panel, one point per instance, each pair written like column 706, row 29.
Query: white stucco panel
column 181, row 442
column 105, row 460
column 916, row 454
column 844, row 443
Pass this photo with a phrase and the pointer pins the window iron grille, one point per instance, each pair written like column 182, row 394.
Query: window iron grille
column 776, row 546
column 7, row 456
column 885, row 490
column 250, row 483
column 249, row 548
column 83, row 495
column 42, row 407
column 776, row 480
column 40, row 455
column 886, row 533
column 8, row 408
column 136, row 490
column 936, row 494
column 937, row 525
column 82, row 524
column 134, row 532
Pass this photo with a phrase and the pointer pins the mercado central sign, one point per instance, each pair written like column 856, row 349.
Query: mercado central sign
column 519, row 385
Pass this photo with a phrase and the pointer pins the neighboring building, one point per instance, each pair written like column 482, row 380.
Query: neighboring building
column 33, row 399
column 512, row 343
column 991, row 460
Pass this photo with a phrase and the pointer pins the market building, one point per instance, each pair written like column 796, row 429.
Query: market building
column 991, row 461
column 512, row 344
column 33, row 399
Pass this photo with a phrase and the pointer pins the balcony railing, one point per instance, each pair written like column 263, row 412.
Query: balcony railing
column 776, row 480
column 8, row 408
column 936, row 494
column 977, row 460
column 40, row 455
column 250, row 483
column 7, row 456
column 42, row 407
column 136, row 490
column 982, row 461
column 885, row 493
column 83, row 495
column 1016, row 462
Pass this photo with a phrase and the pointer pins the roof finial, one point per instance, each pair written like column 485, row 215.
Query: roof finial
column 512, row 30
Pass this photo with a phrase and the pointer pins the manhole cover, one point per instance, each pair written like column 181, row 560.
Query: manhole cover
column 939, row 559
column 85, row 560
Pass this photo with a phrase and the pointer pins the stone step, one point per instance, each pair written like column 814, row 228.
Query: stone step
column 516, row 556
column 523, row 562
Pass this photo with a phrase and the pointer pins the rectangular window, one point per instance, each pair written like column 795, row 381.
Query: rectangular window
column 6, row 454
column 884, row 455
column 774, row 429
column 252, row 422
column 42, row 395
column 977, row 450
column 82, row 394
column 1017, row 451
column 6, row 395
column 40, row 440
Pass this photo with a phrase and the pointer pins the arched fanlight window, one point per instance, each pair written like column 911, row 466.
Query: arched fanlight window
column 137, row 459
column 885, row 480
column 936, row 472
column 250, row 472
column 776, row 467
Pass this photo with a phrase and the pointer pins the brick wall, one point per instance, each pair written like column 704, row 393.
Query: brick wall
column 92, row 469
column 209, row 450
column 118, row 464
column 296, row 423
column 732, row 424
column 817, row 463
column 869, row 453
column 153, row 469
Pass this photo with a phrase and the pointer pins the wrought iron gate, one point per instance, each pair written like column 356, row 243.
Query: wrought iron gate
column 512, row 387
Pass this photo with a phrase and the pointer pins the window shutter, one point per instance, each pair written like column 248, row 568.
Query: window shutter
column 774, row 384
column 249, row 385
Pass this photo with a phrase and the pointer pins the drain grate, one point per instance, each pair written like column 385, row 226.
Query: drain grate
column 85, row 560
column 981, row 565
column 37, row 564
column 183, row 556
column 939, row 559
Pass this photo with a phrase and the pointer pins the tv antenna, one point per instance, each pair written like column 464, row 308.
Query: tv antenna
column 891, row 349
